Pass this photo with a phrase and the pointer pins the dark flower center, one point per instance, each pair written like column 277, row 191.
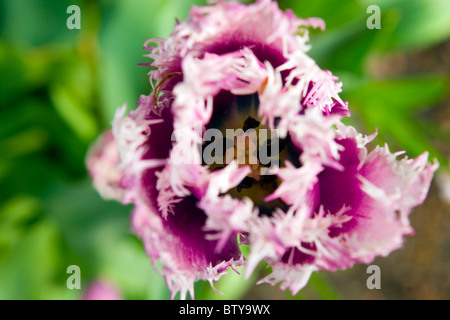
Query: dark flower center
column 251, row 144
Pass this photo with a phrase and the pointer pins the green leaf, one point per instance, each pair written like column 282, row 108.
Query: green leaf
column 28, row 23
column 393, row 107
column 74, row 112
column 404, row 94
column 14, row 215
column 317, row 288
column 322, row 287
column 335, row 13
column 31, row 264
column 422, row 23
column 231, row 286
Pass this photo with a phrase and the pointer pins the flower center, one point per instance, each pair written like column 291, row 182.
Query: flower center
column 245, row 148
column 250, row 144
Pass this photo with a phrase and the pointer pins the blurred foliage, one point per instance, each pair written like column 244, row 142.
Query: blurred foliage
column 60, row 88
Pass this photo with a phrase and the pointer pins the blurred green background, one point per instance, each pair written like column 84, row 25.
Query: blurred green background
column 60, row 88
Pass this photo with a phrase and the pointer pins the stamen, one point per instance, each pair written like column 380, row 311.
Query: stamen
column 165, row 77
column 250, row 123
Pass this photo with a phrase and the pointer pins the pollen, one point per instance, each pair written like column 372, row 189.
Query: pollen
column 247, row 156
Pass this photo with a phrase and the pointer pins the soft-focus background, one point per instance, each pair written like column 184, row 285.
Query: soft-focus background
column 59, row 89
